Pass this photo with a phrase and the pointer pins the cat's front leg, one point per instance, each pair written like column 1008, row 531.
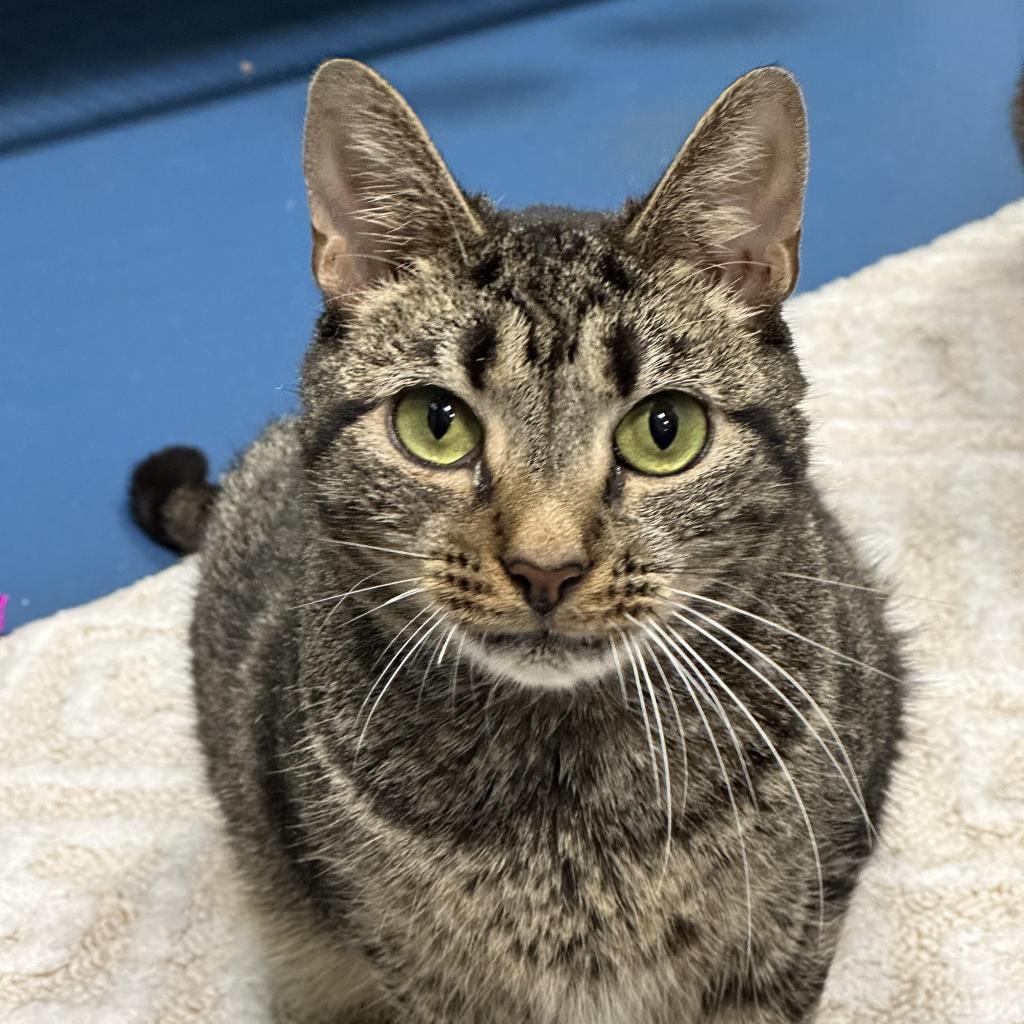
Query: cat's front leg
column 315, row 976
column 301, row 996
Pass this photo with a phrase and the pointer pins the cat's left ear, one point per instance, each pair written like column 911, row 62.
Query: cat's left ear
column 379, row 192
column 732, row 200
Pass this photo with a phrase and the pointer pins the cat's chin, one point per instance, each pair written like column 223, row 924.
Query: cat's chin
column 541, row 660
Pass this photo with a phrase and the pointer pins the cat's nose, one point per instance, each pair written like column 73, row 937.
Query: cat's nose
column 543, row 588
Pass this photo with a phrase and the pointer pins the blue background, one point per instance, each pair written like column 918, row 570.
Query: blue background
column 154, row 283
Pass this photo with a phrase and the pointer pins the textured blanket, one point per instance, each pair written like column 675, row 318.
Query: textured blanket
column 116, row 900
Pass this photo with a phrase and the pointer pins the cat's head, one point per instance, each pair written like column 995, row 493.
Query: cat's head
column 555, row 421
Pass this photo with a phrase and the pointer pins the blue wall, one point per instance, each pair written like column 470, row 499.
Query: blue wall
column 154, row 284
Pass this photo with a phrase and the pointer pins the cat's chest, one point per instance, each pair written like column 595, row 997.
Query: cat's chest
column 569, row 922
column 561, row 940
column 546, row 869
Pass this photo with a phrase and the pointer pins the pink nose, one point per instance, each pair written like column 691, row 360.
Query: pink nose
column 543, row 588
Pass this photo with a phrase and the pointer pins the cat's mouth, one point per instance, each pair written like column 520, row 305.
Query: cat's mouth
column 543, row 641
column 542, row 657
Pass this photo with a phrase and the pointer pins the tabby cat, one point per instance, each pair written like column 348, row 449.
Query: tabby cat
column 535, row 681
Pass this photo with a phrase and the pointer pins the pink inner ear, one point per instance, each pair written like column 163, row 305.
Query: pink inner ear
column 3, row 606
column 379, row 192
column 760, row 275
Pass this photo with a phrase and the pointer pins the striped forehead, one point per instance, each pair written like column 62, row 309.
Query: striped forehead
column 549, row 299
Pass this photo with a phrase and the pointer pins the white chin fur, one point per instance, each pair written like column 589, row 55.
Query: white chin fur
column 542, row 669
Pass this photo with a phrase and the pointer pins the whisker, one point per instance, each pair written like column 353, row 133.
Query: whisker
column 687, row 682
column 341, row 600
column 869, row 590
column 455, row 667
column 361, row 590
column 391, row 678
column 714, row 581
column 383, row 654
column 394, row 657
column 430, row 661
column 618, row 669
column 643, row 712
column 369, row 576
column 788, row 632
column 719, row 710
column 376, row 547
column 447, row 641
column 679, row 726
column 851, row 781
column 328, row 697
column 782, row 767
column 390, row 600
column 664, row 757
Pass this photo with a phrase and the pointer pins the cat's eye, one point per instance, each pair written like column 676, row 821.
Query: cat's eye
column 435, row 426
column 663, row 434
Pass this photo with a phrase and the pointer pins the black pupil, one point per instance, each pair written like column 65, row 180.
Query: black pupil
column 440, row 414
column 664, row 425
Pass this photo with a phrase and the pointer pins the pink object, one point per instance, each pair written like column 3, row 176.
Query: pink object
column 3, row 605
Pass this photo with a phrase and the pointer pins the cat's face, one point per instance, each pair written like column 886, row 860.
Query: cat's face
column 551, row 421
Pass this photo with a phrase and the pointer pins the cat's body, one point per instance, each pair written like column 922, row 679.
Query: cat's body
column 445, row 815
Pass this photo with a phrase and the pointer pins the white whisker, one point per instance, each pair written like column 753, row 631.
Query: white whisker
column 447, row 641
column 390, row 600
column 430, row 661
column 455, row 667
column 664, row 757
column 361, row 590
column 643, row 711
column 782, row 767
column 618, row 669
column 770, row 605
column 788, row 632
column 679, row 726
column 394, row 657
column 686, row 680
column 850, row 780
column 394, row 674
column 318, row 703
column 359, row 582
column 383, row 654
column 341, row 601
column 868, row 590
column 376, row 547
column 716, row 704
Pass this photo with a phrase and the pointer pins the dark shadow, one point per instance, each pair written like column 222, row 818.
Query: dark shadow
column 481, row 93
column 46, row 47
column 68, row 68
column 704, row 26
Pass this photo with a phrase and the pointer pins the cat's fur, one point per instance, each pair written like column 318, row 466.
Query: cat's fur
column 467, row 827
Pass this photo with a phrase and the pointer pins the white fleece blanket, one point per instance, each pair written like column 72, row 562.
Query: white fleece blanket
column 116, row 900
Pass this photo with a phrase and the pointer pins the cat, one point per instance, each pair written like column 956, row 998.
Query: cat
column 534, row 678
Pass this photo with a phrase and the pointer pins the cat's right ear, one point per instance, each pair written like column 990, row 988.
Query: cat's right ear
column 379, row 193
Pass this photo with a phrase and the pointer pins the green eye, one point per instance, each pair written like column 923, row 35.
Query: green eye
column 663, row 434
column 435, row 426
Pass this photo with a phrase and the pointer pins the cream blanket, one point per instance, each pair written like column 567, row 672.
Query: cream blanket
column 116, row 900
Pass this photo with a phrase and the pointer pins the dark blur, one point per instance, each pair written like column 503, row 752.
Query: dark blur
column 72, row 67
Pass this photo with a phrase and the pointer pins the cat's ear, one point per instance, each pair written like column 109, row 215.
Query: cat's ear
column 732, row 200
column 379, row 192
